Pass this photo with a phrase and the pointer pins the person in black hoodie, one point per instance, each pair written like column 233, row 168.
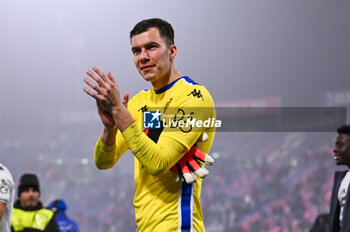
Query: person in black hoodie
column 28, row 212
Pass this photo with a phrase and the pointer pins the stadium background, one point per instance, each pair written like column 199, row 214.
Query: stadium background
column 246, row 53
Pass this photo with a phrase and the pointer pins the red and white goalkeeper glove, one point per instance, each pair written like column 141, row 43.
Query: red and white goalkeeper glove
column 191, row 163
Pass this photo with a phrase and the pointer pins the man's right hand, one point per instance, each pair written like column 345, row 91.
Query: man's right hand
column 106, row 117
column 112, row 110
column 110, row 130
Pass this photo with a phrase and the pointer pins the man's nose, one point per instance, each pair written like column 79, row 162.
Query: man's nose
column 144, row 55
column 31, row 192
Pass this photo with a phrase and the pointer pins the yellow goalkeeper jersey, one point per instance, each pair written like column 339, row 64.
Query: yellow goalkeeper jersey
column 162, row 204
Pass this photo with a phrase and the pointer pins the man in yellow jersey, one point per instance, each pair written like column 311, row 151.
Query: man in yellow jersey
column 161, row 203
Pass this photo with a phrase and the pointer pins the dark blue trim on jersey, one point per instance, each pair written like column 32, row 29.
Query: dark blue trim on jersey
column 161, row 90
column 186, row 217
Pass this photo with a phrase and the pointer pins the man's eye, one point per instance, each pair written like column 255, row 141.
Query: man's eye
column 151, row 47
column 136, row 51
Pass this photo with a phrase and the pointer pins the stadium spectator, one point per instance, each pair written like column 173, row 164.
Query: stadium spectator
column 28, row 213
column 321, row 223
column 65, row 224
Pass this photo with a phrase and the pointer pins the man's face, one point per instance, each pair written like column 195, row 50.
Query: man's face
column 29, row 198
column 342, row 150
column 152, row 56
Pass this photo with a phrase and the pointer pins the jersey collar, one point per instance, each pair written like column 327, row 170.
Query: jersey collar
column 165, row 88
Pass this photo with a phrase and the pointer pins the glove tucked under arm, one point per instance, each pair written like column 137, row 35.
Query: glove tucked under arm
column 191, row 163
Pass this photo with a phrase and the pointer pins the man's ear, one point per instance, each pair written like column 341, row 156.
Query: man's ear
column 173, row 52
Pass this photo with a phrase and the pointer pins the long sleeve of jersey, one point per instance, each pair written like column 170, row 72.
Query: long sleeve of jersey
column 155, row 157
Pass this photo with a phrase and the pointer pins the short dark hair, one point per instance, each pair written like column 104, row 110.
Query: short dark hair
column 344, row 129
column 165, row 29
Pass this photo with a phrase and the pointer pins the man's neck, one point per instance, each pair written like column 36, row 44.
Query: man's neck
column 28, row 208
column 166, row 80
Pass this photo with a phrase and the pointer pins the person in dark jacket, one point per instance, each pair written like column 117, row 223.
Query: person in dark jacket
column 340, row 201
column 28, row 212
column 321, row 223
column 65, row 224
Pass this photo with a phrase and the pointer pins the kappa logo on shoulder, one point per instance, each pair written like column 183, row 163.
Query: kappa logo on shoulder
column 197, row 94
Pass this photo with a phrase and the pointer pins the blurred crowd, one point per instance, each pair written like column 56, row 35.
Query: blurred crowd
column 281, row 183
column 283, row 194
